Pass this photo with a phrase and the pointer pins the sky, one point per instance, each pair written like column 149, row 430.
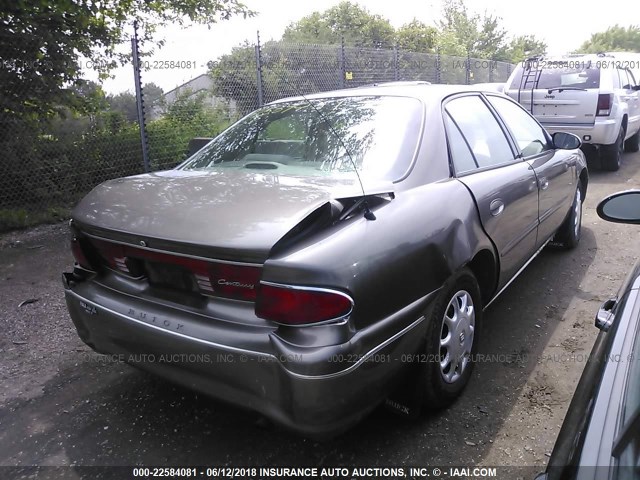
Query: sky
column 563, row 24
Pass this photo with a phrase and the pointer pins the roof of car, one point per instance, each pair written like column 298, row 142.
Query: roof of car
column 422, row 90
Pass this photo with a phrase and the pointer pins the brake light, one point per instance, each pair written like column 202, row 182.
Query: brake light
column 604, row 104
column 291, row 305
column 79, row 255
column 113, row 254
column 212, row 278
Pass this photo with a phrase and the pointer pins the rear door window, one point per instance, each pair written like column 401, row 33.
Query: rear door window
column 459, row 150
column 481, row 130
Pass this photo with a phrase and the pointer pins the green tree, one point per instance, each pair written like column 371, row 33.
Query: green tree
column 43, row 42
column 525, row 46
column 346, row 20
column 480, row 36
column 187, row 117
column 417, row 36
column 125, row 104
column 613, row 39
column 151, row 92
column 234, row 76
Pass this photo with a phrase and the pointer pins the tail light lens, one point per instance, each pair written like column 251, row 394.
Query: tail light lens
column 211, row 278
column 78, row 253
column 604, row 104
column 290, row 305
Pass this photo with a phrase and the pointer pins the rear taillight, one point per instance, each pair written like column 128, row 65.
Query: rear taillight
column 291, row 305
column 78, row 253
column 604, row 105
column 211, row 278
column 113, row 254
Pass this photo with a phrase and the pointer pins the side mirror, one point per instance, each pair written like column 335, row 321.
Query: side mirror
column 621, row 207
column 566, row 141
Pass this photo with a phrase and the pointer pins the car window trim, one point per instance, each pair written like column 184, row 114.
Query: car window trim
column 627, row 429
column 452, row 163
column 626, row 436
column 517, row 158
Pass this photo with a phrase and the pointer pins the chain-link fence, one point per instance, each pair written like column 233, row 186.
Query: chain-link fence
column 50, row 162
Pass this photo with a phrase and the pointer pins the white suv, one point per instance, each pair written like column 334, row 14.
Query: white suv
column 595, row 97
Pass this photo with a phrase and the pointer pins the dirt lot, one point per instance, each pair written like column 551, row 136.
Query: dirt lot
column 60, row 404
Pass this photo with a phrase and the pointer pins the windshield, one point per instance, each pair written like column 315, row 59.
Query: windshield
column 578, row 74
column 308, row 138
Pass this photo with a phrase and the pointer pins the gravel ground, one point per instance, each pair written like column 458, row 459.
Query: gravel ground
column 61, row 404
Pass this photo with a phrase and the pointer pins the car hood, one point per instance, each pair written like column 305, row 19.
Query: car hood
column 236, row 215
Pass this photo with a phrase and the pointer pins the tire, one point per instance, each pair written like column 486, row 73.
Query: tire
column 449, row 356
column 610, row 155
column 569, row 233
column 633, row 143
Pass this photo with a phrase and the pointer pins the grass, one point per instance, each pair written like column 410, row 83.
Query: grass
column 20, row 218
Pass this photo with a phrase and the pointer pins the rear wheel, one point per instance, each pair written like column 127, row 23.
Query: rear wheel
column 632, row 143
column 610, row 155
column 568, row 234
column 454, row 320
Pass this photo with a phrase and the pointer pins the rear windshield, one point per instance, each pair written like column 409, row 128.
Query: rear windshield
column 325, row 137
column 557, row 74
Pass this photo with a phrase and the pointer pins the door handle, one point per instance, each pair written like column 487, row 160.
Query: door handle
column 544, row 183
column 605, row 316
column 496, row 207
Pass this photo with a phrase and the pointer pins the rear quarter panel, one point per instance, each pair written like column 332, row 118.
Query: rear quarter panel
column 417, row 241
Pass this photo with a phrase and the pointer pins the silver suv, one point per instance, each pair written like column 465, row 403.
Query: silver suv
column 595, row 97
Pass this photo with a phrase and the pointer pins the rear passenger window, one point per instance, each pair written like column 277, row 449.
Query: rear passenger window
column 462, row 157
column 529, row 136
column 481, row 130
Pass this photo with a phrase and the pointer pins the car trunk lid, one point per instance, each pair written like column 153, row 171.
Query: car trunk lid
column 234, row 216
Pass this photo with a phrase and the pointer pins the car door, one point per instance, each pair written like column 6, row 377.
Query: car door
column 503, row 186
column 612, row 437
column 555, row 170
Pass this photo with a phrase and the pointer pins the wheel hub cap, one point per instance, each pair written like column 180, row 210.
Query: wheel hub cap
column 456, row 336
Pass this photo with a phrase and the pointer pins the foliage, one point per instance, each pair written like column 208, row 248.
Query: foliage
column 234, row 74
column 21, row 218
column 124, row 103
column 481, row 36
column 187, row 117
column 417, row 36
column 346, row 20
column 613, row 39
column 44, row 43
column 524, row 47
column 54, row 162
column 151, row 91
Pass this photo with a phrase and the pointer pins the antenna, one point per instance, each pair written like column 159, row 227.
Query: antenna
column 368, row 214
